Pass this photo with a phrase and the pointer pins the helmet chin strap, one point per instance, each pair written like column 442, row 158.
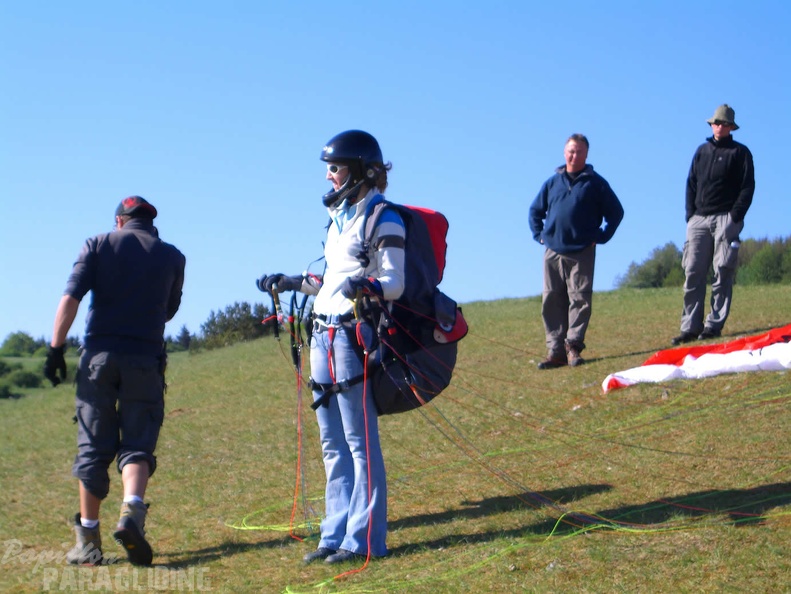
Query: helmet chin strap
column 335, row 197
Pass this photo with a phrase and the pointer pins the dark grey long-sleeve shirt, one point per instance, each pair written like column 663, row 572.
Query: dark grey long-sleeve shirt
column 136, row 280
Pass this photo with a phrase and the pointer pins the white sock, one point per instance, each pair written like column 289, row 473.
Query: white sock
column 89, row 524
column 133, row 499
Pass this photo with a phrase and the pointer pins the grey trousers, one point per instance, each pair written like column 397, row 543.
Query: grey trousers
column 120, row 408
column 711, row 240
column 567, row 298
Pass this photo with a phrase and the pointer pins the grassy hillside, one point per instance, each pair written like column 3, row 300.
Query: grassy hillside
column 516, row 480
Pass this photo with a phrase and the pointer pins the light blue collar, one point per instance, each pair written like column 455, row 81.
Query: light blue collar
column 344, row 213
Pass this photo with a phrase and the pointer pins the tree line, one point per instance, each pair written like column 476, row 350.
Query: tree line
column 760, row 262
column 238, row 322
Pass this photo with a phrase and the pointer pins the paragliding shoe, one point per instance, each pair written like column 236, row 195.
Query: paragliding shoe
column 88, row 549
column 130, row 533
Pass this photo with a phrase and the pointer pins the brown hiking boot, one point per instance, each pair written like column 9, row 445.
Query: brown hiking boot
column 130, row 533
column 553, row 361
column 573, row 355
column 88, row 549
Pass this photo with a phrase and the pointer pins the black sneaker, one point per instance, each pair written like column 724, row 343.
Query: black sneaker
column 709, row 333
column 683, row 337
column 342, row 556
column 318, row 554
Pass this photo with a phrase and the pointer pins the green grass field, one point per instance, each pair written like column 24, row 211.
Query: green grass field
column 514, row 480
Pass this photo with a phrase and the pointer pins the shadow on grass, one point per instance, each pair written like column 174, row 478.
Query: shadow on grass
column 497, row 505
column 745, row 507
column 473, row 509
column 751, row 332
column 621, row 356
column 184, row 559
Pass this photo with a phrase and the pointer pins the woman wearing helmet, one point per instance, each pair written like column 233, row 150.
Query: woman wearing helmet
column 355, row 521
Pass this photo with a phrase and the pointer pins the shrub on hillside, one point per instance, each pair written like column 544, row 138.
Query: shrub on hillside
column 765, row 267
column 239, row 322
column 24, row 379
column 661, row 269
column 6, row 367
column 5, row 390
column 19, row 344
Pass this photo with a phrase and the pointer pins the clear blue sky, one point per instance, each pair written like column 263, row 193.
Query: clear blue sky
column 217, row 112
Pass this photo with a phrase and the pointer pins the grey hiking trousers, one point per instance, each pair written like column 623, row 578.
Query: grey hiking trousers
column 567, row 299
column 711, row 240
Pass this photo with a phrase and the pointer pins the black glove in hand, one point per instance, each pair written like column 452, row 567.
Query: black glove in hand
column 284, row 283
column 368, row 286
column 55, row 363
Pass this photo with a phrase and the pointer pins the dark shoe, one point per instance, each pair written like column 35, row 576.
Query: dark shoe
column 88, row 548
column 709, row 333
column 342, row 556
column 130, row 533
column 682, row 338
column 573, row 356
column 320, row 553
column 552, row 362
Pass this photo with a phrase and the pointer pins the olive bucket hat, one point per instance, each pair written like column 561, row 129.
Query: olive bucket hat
column 724, row 113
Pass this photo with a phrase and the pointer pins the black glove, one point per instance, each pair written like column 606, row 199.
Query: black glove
column 55, row 363
column 284, row 283
column 369, row 286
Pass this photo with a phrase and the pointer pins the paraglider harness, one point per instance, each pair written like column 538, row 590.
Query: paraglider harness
column 417, row 335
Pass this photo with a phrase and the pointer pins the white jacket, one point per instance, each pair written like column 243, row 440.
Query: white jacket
column 344, row 243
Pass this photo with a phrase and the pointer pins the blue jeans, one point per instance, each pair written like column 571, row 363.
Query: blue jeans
column 349, row 433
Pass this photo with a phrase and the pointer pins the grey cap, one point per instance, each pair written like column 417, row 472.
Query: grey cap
column 724, row 113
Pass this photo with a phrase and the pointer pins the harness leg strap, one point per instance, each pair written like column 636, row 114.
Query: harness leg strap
column 327, row 390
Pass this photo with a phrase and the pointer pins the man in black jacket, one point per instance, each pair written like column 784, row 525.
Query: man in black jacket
column 720, row 189
column 135, row 280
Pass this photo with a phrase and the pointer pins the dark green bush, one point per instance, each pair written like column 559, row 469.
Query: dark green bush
column 6, row 367
column 5, row 390
column 24, row 379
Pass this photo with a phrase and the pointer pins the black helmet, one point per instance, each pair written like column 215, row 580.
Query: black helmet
column 361, row 153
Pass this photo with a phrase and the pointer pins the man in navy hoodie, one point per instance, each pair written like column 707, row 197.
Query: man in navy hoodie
column 720, row 188
column 574, row 210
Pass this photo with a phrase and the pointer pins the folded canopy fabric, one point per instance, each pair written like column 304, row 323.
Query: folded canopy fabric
column 770, row 351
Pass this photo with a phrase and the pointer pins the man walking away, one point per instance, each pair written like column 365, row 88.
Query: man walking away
column 136, row 281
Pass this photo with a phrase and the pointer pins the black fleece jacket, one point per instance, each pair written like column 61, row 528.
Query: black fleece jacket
column 721, row 179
